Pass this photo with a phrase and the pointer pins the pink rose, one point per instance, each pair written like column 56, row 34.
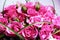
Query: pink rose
column 29, row 33
column 22, row 17
column 45, row 31
column 42, row 10
column 48, row 16
column 3, row 20
column 1, row 16
column 50, row 9
column 10, row 11
column 35, row 19
column 56, row 21
column 16, row 26
column 32, row 12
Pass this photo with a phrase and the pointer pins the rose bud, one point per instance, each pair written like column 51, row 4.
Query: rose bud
column 24, row 9
column 37, row 6
column 16, row 6
column 16, row 19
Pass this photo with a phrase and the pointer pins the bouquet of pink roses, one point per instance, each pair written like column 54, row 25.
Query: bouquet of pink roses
column 30, row 21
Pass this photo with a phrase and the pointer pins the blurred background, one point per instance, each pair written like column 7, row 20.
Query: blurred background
column 44, row 2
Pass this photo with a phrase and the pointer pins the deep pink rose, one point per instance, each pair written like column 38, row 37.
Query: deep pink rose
column 3, row 20
column 29, row 33
column 10, row 11
column 22, row 17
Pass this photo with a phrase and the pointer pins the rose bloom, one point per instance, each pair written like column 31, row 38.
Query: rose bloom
column 22, row 17
column 45, row 32
column 48, row 16
column 29, row 33
column 10, row 11
column 44, row 9
column 16, row 26
column 56, row 21
column 35, row 20
column 32, row 12
column 4, row 21
column 50, row 9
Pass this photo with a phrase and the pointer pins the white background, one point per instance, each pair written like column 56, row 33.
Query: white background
column 44, row 2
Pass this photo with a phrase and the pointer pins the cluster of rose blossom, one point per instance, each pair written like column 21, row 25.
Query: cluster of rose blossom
column 30, row 20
